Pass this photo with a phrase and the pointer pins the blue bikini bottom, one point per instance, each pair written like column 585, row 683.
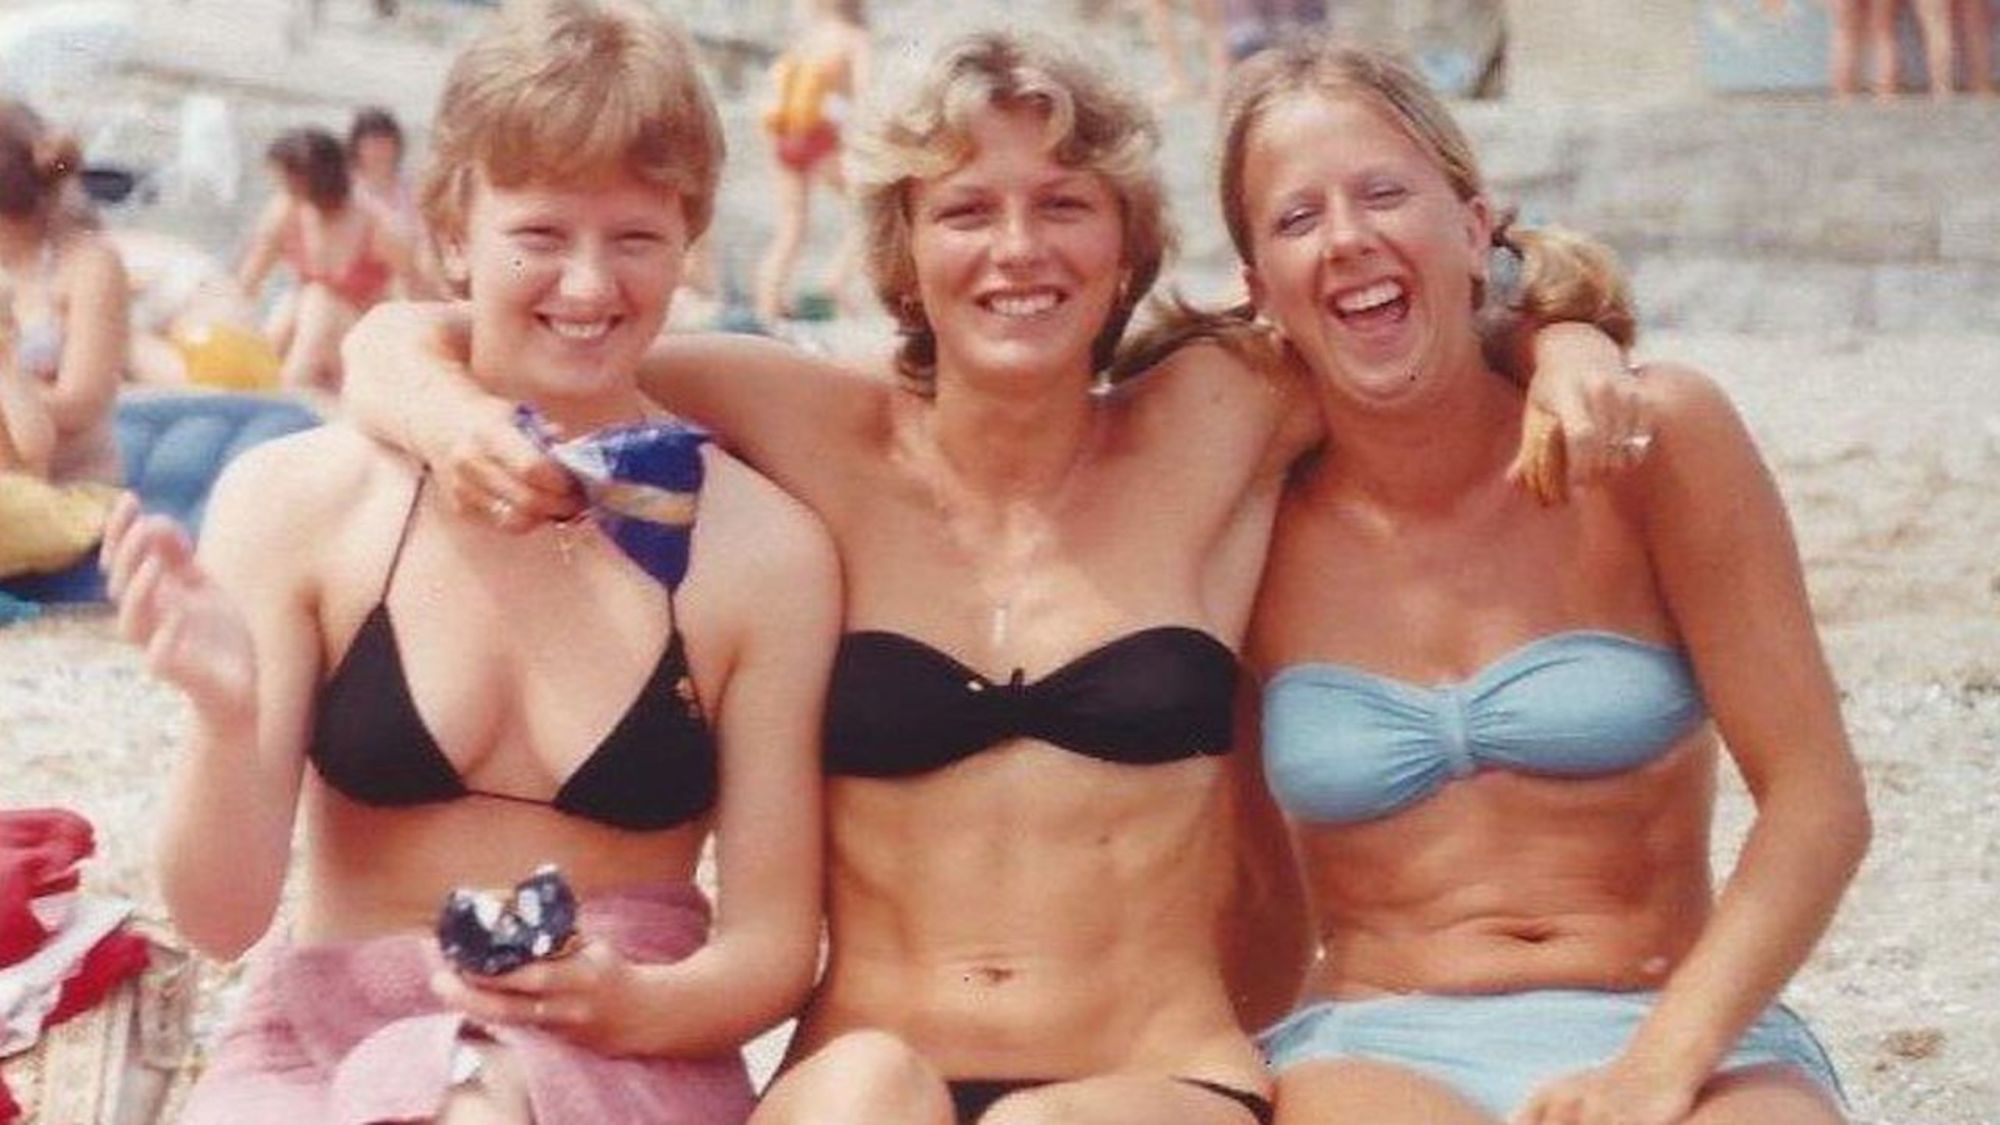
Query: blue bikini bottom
column 1497, row 1050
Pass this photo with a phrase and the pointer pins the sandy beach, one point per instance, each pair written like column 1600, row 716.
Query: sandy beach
column 1886, row 447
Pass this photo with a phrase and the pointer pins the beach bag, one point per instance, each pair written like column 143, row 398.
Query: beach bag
column 48, row 527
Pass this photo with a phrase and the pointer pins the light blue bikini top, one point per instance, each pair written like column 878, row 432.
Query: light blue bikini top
column 1343, row 745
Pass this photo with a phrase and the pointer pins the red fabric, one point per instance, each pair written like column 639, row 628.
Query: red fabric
column 361, row 282
column 39, row 851
column 10, row 1110
column 111, row 962
column 803, row 150
column 350, row 1032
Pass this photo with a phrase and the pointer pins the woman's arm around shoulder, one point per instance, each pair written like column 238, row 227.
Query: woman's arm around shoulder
column 1242, row 403
column 786, row 412
column 235, row 626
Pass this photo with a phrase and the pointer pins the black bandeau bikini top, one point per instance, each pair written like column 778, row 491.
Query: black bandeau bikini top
column 655, row 770
column 897, row 707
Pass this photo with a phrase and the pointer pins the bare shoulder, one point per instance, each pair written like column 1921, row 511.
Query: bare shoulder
column 1690, row 407
column 1704, row 458
column 299, row 488
column 756, row 529
column 1243, row 397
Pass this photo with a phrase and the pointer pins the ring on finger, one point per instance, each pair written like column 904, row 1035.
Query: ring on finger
column 500, row 508
column 1635, row 445
column 540, row 1012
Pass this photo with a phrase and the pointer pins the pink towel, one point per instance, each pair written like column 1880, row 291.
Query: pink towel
column 349, row 1033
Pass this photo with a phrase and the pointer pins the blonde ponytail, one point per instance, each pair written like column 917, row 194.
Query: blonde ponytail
column 1566, row 276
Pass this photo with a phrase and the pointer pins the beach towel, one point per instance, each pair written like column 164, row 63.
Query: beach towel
column 349, row 1032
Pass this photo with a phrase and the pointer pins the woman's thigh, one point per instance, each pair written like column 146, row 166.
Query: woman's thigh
column 861, row 1078
column 1362, row 1090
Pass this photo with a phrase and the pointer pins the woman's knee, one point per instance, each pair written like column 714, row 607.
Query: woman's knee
column 863, row 1078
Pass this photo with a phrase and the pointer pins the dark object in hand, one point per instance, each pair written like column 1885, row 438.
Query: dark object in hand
column 489, row 932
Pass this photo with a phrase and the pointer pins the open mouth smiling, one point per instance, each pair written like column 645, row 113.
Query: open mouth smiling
column 1375, row 304
column 1023, row 304
column 580, row 331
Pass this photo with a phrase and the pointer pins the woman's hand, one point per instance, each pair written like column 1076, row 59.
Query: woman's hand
column 1588, row 417
column 1620, row 1093
column 491, row 471
column 192, row 635
column 189, row 629
column 582, row 997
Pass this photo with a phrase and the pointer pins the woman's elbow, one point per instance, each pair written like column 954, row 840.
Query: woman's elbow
column 785, row 969
column 220, row 934
column 221, row 919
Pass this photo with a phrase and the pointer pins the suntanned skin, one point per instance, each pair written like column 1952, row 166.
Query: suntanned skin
column 520, row 655
column 1027, row 912
column 1405, row 552
column 75, row 278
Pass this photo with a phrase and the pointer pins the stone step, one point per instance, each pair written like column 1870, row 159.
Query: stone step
column 1740, row 214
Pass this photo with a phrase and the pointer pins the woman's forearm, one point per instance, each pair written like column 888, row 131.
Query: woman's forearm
column 225, row 838
column 719, row 998
column 1801, row 853
column 405, row 381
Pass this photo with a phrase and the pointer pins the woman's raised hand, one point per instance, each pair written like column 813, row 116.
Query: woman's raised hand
column 193, row 637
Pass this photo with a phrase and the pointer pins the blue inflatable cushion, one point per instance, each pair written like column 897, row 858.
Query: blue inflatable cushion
column 174, row 446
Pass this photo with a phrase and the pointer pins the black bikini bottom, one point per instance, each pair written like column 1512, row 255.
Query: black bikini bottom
column 972, row 1097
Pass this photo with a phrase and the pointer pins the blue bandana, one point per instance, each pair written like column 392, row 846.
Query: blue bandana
column 642, row 481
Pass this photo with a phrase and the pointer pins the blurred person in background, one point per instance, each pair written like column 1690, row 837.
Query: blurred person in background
column 63, row 333
column 376, row 152
column 1865, row 36
column 818, row 77
column 343, row 255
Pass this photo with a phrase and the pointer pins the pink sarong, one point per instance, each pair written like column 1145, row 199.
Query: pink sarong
column 350, row 1033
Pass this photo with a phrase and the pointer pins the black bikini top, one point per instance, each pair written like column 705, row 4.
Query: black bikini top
column 655, row 770
column 897, row 707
